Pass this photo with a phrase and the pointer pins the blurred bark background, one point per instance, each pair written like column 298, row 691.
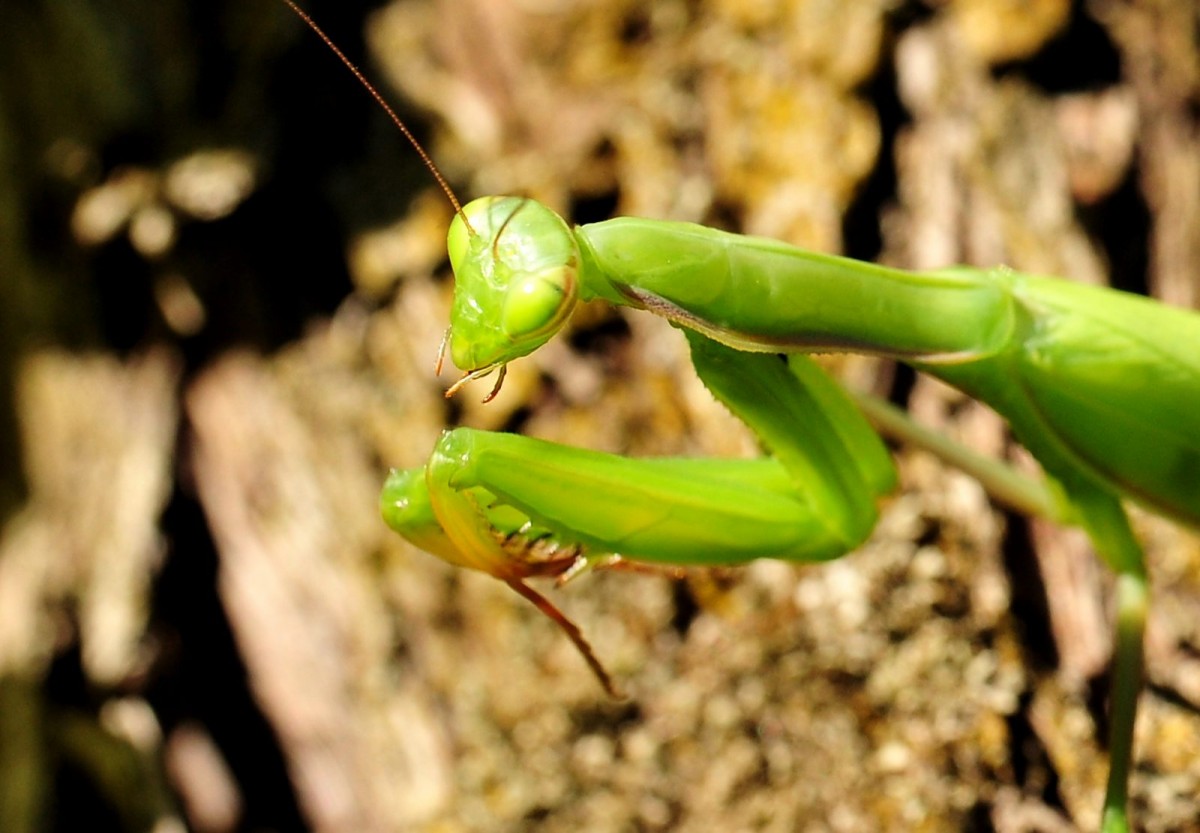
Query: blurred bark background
column 222, row 286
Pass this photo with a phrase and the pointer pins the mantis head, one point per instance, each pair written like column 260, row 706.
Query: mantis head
column 515, row 263
column 516, row 267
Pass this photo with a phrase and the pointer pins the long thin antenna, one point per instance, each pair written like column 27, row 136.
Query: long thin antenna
column 362, row 79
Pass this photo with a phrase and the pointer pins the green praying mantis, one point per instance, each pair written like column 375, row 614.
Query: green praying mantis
column 1102, row 387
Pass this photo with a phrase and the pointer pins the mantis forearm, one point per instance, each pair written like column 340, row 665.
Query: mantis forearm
column 814, row 500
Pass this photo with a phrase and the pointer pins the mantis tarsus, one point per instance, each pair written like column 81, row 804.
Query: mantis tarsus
column 1101, row 386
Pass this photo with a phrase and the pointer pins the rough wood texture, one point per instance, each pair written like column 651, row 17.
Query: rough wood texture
column 302, row 668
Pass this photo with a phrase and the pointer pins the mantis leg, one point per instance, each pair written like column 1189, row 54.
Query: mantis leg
column 1107, row 524
column 516, row 507
column 813, row 499
column 1022, row 493
column 1101, row 515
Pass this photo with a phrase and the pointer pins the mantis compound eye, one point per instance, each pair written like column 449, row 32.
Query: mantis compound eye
column 539, row 304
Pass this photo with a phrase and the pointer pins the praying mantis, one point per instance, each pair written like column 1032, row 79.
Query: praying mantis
column 1102, row 387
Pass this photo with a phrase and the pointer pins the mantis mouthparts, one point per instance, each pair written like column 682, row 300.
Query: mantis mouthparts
column 472, row 375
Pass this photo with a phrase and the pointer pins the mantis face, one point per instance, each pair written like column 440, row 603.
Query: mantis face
column 516, row 264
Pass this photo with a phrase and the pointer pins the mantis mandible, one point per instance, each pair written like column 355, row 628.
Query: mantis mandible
column 1102, row 387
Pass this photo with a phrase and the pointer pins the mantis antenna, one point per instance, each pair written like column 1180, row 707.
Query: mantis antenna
column 426, row 159
column 382, row 102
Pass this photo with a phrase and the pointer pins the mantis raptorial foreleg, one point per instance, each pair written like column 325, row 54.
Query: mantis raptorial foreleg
column 814, row 499
column 511, row 506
